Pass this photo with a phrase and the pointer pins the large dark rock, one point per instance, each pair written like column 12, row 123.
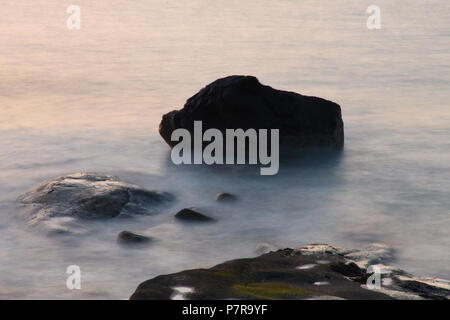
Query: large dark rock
column 243, row 102
column 316, row 271
column 284, row 274
column 90, row 196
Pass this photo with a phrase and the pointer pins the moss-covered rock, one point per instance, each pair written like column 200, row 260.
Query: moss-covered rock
column 275, row 275
column 316, row 271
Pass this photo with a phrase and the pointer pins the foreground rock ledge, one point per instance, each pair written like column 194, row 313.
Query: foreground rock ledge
column 311, row 272
column 90, row 196
column 243, row 102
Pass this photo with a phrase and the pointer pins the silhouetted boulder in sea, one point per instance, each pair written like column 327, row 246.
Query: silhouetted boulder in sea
column 313, row 272
column 243, row 102
column 90, row 196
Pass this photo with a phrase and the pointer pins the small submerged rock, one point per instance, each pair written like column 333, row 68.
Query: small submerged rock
column 225, row 197
column 189, row 214
column 90, row 196
column 128, row 237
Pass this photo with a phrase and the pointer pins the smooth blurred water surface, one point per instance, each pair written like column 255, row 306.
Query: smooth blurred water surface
column 92, row 100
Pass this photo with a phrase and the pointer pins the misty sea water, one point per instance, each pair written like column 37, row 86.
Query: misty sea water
column 91, row 100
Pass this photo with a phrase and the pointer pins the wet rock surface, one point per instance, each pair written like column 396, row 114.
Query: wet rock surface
column 436, row 289
column 192, row 215
column 90, row 196
column 311, row 272
column 243, row 102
